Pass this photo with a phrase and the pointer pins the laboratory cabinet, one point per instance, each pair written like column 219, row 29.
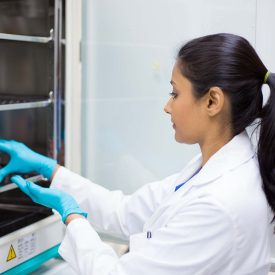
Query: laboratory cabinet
column 32, row 96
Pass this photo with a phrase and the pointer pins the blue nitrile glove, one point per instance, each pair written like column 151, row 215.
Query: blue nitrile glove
column 24, row 160
column 62, row 202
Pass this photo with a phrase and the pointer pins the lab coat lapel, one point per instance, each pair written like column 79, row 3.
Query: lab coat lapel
column 233, row 154
column 159, row 215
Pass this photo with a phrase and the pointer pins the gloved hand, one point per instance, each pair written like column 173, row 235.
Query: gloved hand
column 62, row 202
column 24, row 160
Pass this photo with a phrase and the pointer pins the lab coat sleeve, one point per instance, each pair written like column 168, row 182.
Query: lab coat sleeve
column 112, row 211
column 199, row 239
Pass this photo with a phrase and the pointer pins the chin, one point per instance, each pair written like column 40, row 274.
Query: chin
column 184, row 140
column 180, row 139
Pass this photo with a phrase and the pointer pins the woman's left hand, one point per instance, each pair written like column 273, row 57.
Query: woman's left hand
column 62, row 202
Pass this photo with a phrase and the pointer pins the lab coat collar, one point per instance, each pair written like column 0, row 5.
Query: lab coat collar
column 233, row 154
column 236, row 152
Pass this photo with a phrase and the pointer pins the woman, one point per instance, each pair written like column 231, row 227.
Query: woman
column 211, row 218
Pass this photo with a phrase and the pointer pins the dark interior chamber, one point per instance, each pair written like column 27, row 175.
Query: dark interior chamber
column 17, row 210
column 29, row 74
column 27, row 17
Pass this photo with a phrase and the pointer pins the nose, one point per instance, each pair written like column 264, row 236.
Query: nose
column 167, row 107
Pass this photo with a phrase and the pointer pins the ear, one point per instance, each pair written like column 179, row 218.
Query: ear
column 215, row 101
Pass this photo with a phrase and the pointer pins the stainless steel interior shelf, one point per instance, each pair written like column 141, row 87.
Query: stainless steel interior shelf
column 26, row 38
column 8, row 103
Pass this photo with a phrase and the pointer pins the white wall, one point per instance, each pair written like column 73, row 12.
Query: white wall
column 128, row 52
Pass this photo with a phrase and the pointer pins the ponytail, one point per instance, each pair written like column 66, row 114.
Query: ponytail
column 266, row 145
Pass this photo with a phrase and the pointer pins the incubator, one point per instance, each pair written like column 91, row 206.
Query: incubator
column 32, row 46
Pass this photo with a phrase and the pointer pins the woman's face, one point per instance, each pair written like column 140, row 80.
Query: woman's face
column 187, row 112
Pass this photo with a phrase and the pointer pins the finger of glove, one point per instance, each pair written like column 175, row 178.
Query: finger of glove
column 22, row 184
column 34, row 189
column 5, row 146
column 4, row 172
column 40, row 194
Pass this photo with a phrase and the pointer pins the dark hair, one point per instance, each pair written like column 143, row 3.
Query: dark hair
column 231, row 63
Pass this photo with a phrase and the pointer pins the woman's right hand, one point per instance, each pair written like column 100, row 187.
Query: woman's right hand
column 62, row 202
column 24, row 160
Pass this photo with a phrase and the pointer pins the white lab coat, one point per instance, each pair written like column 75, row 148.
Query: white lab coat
column 216, row 224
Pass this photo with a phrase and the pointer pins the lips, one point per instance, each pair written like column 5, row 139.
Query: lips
column 173, row 124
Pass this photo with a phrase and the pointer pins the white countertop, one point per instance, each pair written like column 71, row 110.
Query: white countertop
column 54, row 267
column 58, row 266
